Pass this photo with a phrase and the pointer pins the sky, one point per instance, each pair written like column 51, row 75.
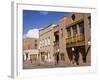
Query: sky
column 35, row 20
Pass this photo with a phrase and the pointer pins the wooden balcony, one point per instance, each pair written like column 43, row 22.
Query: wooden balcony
column 56, row 46
column 75, row 40
column 56, row 43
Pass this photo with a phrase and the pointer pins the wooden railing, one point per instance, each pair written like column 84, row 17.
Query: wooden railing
column 75, row 39
column 56, row 43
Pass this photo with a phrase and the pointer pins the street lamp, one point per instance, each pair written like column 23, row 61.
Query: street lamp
column 89, row 43
column 58, row 50
column 73, row 49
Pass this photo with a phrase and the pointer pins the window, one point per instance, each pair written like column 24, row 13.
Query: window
column 26, row 55
column 40, row 44
column 69, row 31
column 74, row 29
column 29, row 46
column 48, row 40
column 56, row 34
column 81, row 27
column 89, row 20
column 73, row 17
column 35, row 46
column 57, row 38
column 35, row 41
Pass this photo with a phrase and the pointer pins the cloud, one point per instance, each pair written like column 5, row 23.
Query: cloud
column 44, row 13
column 32, row 33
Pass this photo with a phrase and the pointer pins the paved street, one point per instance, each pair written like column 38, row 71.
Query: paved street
column 29, row 65
column 37, row 65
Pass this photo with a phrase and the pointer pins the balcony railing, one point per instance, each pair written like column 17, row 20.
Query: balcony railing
column 75, row 39
column 56, row 43
column 56, row 46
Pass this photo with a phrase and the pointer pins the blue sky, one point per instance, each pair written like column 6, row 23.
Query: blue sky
column 39, row 19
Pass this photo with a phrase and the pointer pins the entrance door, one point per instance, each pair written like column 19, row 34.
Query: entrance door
column 69, row 53
column 83, row 53
column 26, row 56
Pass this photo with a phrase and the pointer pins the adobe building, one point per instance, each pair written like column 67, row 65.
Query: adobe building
column 70, row 38
column 60, row 42
column 30, row 49
column 74, row 36
column 46, row 49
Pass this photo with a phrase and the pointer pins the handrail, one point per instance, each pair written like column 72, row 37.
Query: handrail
column 56, row 42
column 74, row 39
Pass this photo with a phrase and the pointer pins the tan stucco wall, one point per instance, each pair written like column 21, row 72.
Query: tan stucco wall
column 29, row 43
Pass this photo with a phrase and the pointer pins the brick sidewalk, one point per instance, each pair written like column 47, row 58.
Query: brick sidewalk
column 37, row 65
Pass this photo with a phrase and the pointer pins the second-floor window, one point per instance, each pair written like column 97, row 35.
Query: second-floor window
column 35, row 41
column 48, row 41
column 89, row 20
column 74, row 28
column 29, row 47
column 35, row 46
column 69, row 31
column 81, row 27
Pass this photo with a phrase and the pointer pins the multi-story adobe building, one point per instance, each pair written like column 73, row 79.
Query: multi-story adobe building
column 73, row 34
column 30, row 49
column 46, row 49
